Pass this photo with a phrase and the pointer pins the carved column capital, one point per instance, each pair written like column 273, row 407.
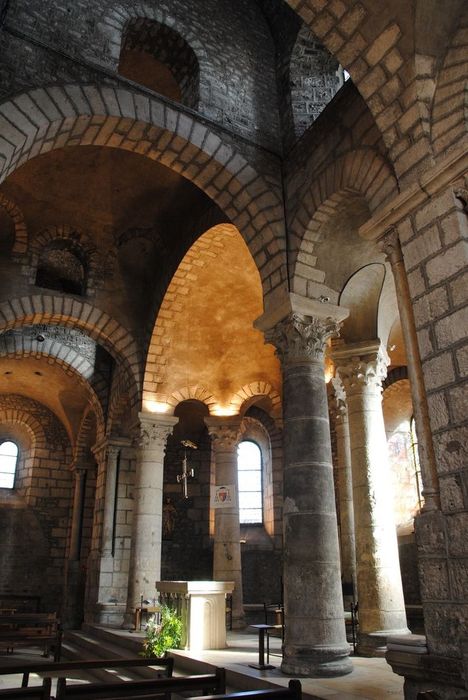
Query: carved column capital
column 299, row 338
column 154, row 430
column 361, row 367
column 339, row 395
column 390, row 245
column 225, row 432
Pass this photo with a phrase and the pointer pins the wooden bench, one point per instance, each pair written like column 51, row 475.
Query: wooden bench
column 31, row 629
column 20, row 603
column 292, row 692
column 38, row 692
column 151, row 688
column 57, row 670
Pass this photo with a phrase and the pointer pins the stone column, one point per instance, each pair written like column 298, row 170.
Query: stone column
column 225, row 434
column 345, row 487
column 392, row 248
column 110, row 496
column 145, row 555
column 74, row 578
column 315, row 640
column 77, row 514
column 362, row 368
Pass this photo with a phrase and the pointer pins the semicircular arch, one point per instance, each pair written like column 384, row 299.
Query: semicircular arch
column 362, row 173
column 21, row 232
column 74, row 313
column 55, row 117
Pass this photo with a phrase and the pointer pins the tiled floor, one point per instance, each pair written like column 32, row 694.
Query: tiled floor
column 371, row 679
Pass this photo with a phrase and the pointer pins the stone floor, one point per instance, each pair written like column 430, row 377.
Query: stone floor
column 371, row 679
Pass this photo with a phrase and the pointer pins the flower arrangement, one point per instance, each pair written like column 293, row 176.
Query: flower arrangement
column 162, row 636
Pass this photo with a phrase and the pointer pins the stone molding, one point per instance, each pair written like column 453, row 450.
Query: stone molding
column 225, row 433
column 154, row 430
column 453, row 165
column 299, row 338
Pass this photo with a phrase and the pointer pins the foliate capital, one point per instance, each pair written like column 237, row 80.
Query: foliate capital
column 299, row 338
column 225, row 433
column 154, row 430
column 360, row 371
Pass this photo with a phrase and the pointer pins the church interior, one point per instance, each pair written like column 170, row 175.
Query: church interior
column 233, row 317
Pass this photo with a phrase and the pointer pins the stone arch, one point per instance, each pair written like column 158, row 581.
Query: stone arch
column 450, row 104
column 78, row 240
column 165, row 62
column 200, row 254
column 113, row 25
column 387, row 71
column 361, row 173
column 29, row 422
column 74, row 115
column 21, row 233
column 89, row 423
column 242, row 399
column 195, row 392
column 96, row 397
column 74, row 313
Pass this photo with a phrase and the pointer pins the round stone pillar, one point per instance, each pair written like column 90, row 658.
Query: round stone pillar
column 145, row 554
column 225, row 434
column 315, row 640
column 345, row 487
column 362, row 368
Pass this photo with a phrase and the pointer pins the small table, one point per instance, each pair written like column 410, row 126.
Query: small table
column 262, row 630
column 144, row 610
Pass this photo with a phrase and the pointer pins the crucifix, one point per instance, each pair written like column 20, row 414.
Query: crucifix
column 186, row 472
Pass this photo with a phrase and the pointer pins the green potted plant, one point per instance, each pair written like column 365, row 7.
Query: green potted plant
column 162, row 636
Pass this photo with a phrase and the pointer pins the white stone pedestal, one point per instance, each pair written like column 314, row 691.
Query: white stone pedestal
column 202, row 606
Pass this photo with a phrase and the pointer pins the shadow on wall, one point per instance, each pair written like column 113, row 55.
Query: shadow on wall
column 24, row 555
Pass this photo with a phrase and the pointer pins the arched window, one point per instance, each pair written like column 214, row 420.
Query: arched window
column 249, row 476
column 159, row 58
column 61, row 267
column 8, row 460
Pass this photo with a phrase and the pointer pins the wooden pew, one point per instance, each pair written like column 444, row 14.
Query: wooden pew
column 292, row 692
column 157, row 688
column 39, row 692
column 31, row 629
column 60, row 669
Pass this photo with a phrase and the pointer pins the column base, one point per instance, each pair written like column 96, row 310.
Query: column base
column 108, row 614
column 374, row 644
column 238, row 623
column 321, row 662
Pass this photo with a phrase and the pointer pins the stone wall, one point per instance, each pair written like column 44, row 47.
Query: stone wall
column 35, row 515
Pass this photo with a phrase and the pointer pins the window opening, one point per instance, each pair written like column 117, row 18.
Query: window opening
column 8, row 460
column 249, row 476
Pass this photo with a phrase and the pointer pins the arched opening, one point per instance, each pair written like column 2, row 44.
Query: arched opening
column 159, row 58
column 315, row 76
column 250, row 483
column 61, row 267
column 8, row 462
column 7, row 232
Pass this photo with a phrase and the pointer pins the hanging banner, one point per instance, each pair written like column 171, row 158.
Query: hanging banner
column 223, row 496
